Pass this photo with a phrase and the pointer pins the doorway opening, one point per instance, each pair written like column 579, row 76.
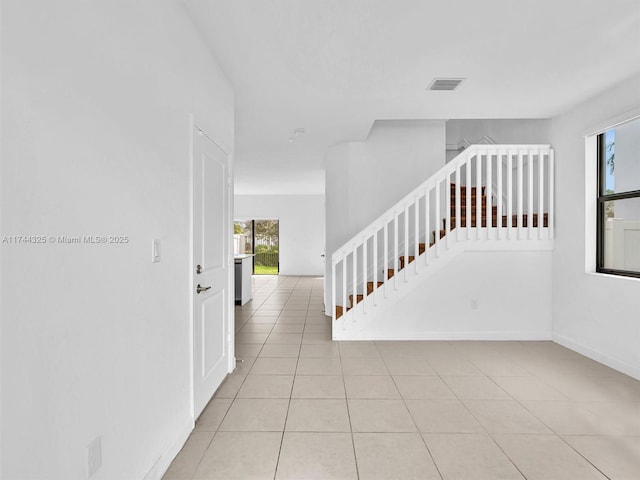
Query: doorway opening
column 260, row 238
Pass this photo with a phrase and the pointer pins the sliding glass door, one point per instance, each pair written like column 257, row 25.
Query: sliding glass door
column 262, row 239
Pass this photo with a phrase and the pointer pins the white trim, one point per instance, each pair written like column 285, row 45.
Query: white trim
column 499, row 335
column 590, row 201
column 191, row 266
column 164, row 462
column 601, row 275
column 231, row 332
column 619, row 365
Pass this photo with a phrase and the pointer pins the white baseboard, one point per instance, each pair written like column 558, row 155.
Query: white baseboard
column 162, row 464
column 619, row 365
column 468, row 335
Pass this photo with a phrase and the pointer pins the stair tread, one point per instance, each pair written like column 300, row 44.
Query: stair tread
column 411, row 259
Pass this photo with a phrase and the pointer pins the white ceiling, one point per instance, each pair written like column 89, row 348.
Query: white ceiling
column 334, row 66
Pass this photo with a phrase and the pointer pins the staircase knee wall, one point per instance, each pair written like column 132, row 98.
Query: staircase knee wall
column 483, row 295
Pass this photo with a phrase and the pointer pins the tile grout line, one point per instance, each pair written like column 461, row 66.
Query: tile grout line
column 217, row 429
column 461, row 400
column 554, row 433
column 404, row 401
column 286, row 418
column 346, row 399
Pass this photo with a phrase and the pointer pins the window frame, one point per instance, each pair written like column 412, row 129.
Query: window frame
column 601, row 198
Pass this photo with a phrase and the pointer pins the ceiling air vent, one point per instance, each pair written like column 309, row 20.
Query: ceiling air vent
column 445, row 83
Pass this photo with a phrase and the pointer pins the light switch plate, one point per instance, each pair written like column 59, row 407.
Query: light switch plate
column 155, row 250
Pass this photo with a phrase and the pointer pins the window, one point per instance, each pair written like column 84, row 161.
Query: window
column 618, row 242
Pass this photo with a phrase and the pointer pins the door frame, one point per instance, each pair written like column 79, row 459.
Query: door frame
column 195, row 125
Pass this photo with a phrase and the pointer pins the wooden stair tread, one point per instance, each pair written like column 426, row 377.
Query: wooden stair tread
column 370, row 287
column 463, row 189
column 360, row 297
column 411, row 259
column 463, row 208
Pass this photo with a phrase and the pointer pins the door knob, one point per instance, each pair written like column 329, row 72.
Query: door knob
column 200, row 289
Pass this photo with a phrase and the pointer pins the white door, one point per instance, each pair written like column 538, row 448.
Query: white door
column 211, row 268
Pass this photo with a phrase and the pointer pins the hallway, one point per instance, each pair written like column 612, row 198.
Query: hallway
column 301, row 406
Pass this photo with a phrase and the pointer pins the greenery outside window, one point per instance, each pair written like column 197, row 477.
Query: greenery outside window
column 618, row 223
column 261, row 239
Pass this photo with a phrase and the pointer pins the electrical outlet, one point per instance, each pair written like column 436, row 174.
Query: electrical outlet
column 474, row 304
column 94, row 457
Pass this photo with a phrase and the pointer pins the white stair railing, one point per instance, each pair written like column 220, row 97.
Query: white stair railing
column 499, row 193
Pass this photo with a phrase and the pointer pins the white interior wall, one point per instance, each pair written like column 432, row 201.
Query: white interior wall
column 466, row 300
column 592, row 313
column 364, row 179
column 96, row 98
column 302, row 227
column 397, row 156
column 501, row 131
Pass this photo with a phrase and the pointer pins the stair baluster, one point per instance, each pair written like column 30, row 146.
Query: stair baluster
column 489, row 193
column 509, row 195
column 436, row 235
column 354, row 294
column 405, row 250
column 427, row 213
column 375, row 268
column 530, row 195
column 478, row 224
column 468, row 199
column 416, row 230
column 365, row 275
column 447, row 210
column 540, row 194
column 385, row 256
column 520, row 193
column 396, row 253
column 499, row 193
column 550, row 185
column 457, row 201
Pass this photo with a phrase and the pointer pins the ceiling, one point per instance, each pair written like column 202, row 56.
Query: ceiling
column 335, row 66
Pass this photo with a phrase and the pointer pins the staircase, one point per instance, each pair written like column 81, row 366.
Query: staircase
column 489, row 197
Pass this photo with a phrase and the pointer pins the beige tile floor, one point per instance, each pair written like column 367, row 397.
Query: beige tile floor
column 300, row 406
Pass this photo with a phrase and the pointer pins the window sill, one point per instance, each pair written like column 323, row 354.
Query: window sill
column 611, row 275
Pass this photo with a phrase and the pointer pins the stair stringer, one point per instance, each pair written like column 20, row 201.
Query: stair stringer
column 372, row 318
